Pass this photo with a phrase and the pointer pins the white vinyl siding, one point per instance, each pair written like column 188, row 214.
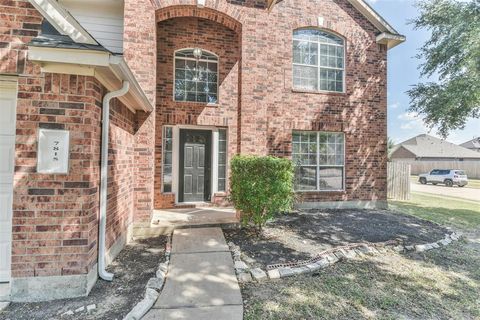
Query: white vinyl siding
column 103, row 22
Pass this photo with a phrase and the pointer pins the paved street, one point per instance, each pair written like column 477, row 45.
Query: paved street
column 465, row 192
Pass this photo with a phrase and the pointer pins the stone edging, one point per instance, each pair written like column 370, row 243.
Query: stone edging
column 153, row 288
column 328, row 257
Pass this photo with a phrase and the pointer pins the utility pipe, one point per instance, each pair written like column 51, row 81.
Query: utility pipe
column 102, row 273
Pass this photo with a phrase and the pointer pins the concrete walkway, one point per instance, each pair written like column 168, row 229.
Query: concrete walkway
column 201, row 281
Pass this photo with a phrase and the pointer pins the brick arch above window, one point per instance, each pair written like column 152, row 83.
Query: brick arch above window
column 168, row 10
column 328, row 26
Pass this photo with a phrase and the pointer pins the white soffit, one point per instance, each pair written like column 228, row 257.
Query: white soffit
column 109, row 69
column 390, row 40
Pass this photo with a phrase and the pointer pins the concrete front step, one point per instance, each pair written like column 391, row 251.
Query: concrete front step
column 166, row 220
column 142, row 232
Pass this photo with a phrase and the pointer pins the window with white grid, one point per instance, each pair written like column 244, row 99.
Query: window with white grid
column 318, row 61
column 319, row 159
column 196, row 79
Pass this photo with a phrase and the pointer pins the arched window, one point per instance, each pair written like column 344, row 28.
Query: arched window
column 196, row 76
column 318, row 61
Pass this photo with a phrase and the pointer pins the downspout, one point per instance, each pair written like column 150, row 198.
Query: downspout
column 102, row 273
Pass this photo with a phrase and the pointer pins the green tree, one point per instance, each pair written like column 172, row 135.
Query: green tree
column 452, row 54
column 390, row 146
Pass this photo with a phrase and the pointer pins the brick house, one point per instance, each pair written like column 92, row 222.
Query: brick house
column 186, row 84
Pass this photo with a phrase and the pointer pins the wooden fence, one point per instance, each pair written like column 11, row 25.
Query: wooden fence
column 472, row 168
column 398, row 181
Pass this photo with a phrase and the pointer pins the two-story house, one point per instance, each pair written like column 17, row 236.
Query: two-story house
column 111, row 109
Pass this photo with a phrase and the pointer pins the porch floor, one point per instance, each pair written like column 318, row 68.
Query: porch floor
column 193, row 217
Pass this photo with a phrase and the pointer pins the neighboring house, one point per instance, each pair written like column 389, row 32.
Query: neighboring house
column 425, row 153
column 427, row 148
column 195, row 82
column 473, row 144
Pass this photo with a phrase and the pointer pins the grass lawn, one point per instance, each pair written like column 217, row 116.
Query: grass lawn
column 455, row 212
column 438, row 284
column 472, row 183
column 441, row 284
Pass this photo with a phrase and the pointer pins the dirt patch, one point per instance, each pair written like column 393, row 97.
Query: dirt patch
column 302, row 235
column 132, row 268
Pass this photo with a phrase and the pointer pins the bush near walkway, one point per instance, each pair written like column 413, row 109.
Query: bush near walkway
column 261, row 187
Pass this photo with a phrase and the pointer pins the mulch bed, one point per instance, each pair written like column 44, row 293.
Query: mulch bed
column 137, row 263
column 300, row 236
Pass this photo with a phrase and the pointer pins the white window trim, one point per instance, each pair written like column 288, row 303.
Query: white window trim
column 344, row 89
column 202, row 60
column 318, row 165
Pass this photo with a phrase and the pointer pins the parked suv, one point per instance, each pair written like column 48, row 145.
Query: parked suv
column 447, row 177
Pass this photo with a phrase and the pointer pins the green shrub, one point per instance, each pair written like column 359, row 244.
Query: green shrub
column 261, row 187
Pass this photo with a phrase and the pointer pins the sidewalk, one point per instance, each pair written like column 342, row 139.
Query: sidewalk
column 201, row 281
column 441, row 190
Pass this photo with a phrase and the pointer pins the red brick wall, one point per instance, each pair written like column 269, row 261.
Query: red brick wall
column 180, row 33
column 55, row 225
column 140, row 53
column 269, row 109
column 55, row 217
column 121, row 171
column 19, row 22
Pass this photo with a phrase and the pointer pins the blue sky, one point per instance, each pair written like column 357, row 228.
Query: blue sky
column 403, row 72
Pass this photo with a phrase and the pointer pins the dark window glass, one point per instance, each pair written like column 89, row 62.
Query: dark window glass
column 167, row 158
column 222, row 160
column 196, row 80
column 319, row 159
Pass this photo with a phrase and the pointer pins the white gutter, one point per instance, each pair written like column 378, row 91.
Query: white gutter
column 102, row 273
column 119, row 66
column 102, row 65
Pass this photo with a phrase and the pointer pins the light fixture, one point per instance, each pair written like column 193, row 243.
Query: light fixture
column 197, row 53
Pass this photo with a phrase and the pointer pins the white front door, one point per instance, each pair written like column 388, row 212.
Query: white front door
column 8, row 103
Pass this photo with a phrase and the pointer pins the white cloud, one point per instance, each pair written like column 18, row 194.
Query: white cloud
column 394, row 105
column 407, row 125
column 409, row 116
column 410, row 125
